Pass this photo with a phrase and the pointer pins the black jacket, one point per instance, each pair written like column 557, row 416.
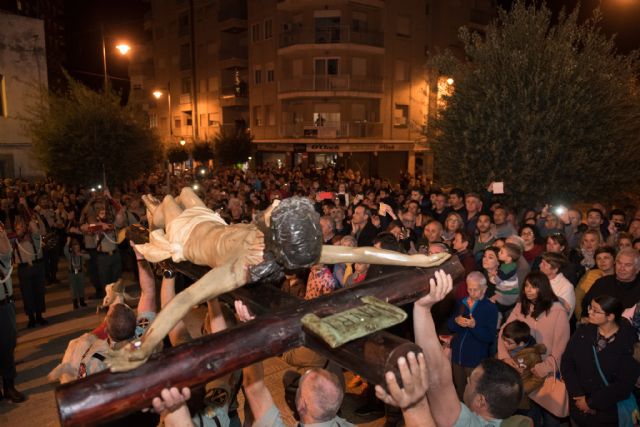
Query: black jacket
column 628, row 293
column 581, row 376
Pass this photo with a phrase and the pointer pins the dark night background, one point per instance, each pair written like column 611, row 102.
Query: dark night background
column 123, row 19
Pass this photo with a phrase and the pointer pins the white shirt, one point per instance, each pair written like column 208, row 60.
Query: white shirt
column 564, row 290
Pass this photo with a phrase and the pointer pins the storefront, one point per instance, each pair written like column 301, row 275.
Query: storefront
column 386, row 160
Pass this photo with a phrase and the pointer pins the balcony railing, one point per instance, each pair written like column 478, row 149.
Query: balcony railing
column 237, row 52
column 332, row 130
column 234, row 96
column 334, row 34
column 331, row 83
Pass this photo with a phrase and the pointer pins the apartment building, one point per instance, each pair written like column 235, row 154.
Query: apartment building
column 317, row 82
column 343, row 82
column 198, row 69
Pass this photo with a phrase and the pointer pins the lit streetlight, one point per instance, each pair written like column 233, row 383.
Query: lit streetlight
column 449, row 81
column 123, row 48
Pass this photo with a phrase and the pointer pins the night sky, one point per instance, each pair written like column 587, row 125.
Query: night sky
column 123, row 20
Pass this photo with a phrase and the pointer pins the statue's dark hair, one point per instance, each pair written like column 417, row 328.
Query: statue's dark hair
column 294, row 234
column 293, row 239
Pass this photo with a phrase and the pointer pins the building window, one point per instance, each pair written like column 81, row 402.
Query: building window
column 255, row 32
column 327, row 29
column 257, row 116
column 185, row 56
column 3, row 96
column 327, row 66
column 401, row 71
column 177, row 123
column 183, row 25
column 401, row 116
column 270, row 74
column 359, row 21
column 271, row 115
column 213, row 119
column 403, row 26
column 186, row 84
column 153, row 120
column 188, row 118
column 268, row 29
column 257, row 76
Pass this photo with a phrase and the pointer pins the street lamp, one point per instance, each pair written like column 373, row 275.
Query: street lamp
column 157, row 94
column 123, row 48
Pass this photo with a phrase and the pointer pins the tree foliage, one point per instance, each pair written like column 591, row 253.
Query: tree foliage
column 233, row 147
column 177, row 154
column 79, row 134
column 549, row 108
column 202, row 151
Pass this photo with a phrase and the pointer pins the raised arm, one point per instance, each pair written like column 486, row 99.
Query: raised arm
column 256, row 391
column 147, row 301
column 179, row 333
column 442, row 396
column 411, row 398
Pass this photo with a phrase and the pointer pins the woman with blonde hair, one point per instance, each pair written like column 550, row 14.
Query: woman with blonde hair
column 452, row 225
column 589, row 242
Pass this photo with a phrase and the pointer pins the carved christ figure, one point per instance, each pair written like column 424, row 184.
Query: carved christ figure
column 285, row 236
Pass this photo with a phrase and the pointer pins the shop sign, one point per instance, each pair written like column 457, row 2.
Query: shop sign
column 274, row 147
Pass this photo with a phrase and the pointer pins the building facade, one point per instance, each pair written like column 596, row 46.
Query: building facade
column 316, row 82
column 198, row 69
column 23, row 72
column 52, row 12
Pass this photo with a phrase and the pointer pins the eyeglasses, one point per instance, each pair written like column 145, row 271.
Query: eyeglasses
column 594, row 311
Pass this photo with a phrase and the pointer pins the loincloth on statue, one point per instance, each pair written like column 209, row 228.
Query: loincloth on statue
column 170, row 244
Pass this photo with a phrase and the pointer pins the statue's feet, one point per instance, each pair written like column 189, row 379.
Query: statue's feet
column 126, row 358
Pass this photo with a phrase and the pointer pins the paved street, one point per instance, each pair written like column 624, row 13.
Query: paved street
column 40, row 349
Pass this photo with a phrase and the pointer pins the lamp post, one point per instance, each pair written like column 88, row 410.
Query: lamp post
column 158, row 94
column 123, row 48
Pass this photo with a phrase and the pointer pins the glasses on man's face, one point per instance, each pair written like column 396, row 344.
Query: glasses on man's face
column 594, row 311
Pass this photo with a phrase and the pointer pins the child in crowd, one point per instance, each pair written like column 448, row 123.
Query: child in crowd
column 524, row 354
column 358, row 275
column 75, row 256
column 506, row 280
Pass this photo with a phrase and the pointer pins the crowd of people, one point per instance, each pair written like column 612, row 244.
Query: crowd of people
column 548, row 291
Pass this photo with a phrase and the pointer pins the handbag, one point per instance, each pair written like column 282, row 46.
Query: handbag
column 628, row 411
column 552, row 395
